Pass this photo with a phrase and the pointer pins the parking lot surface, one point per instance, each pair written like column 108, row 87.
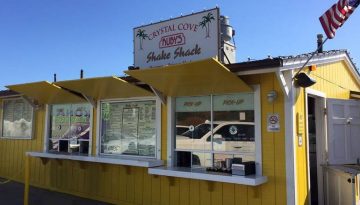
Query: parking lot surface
column 12, row 193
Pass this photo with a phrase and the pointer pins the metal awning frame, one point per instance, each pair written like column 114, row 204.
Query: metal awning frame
column 37, row 100
column 180, row 79
column 102, row 88
column 161, row 96
column 89, row 99
column 33, row 103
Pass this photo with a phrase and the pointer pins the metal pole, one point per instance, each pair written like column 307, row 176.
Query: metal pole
column 27, row 179
column 312, row 55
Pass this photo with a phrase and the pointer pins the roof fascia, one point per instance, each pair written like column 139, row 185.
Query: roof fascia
column 291, row 64
column 296, row 63
column 258, row 71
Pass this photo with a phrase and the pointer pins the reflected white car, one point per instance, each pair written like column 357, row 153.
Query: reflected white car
column 237, row 137
column 130, row 146
column 180, row 129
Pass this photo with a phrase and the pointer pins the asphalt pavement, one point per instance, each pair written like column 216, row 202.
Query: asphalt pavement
column 12, row 193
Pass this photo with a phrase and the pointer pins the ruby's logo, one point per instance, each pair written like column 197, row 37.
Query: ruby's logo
column 172, row 40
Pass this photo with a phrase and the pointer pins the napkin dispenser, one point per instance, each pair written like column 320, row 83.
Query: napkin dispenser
column 244, row 168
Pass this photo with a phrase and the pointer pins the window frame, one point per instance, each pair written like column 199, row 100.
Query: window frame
column 158, row 122
column 47, row 127
column 257, row 121
column 33, row 111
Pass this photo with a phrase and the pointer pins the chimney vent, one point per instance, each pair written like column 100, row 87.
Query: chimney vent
column 228, row 54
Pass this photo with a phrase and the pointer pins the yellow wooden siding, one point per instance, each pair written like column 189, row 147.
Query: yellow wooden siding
column 133, row 185
column 301, row 156
column 335, row 80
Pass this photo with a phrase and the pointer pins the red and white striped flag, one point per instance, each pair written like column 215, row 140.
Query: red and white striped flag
column 336, row 16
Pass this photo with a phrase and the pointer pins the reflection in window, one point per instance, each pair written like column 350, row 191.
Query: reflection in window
column 195, row 114
column 218, row 127
column 16, row 118
column 198, row 132
column 128, row 128
column 70, row 128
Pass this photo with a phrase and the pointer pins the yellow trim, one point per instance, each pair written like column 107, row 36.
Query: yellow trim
column 194, row 78
column 104, row 88
column 27, row 180
column 45, row 93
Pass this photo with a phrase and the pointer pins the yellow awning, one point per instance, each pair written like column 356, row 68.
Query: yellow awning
column 104, row 88
column 46, row 93
column 194, row 78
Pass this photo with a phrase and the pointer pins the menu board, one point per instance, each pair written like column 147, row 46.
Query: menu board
column 129, row 128
column 147, row 130
column 130, row 119
column 17, row 118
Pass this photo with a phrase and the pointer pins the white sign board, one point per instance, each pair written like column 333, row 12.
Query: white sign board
column 273, row 123
column 187, row 38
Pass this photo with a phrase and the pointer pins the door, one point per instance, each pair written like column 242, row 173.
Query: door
column 316, row 124
column 343, row 131
column 339, row 189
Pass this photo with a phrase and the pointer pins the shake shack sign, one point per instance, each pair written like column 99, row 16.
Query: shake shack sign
column 183, row 39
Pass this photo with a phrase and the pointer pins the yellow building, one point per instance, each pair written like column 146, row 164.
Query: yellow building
column 147, row 138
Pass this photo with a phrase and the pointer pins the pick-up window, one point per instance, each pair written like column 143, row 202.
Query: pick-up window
column 219, row 127
column 70, row 128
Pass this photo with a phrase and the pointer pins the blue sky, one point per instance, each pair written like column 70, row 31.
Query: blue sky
column 41, row 37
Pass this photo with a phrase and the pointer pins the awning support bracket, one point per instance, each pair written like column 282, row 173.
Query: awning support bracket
column 91, row 100
column 285, row 80
column 160, row 95
column 32, row 103
column 86, row 97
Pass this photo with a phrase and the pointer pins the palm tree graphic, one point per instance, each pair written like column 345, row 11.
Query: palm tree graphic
column 205, row 23
column 142, row 36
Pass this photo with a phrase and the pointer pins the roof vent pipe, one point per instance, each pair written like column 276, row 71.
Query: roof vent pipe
column 81, row 74
column 320, row 43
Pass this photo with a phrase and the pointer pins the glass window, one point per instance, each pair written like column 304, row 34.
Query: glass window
column 17, row 116
column 194, row 114
column 128, row 128
column 70, row 128
column 218, row 127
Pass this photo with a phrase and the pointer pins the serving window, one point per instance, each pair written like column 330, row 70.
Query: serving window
column 210, row 129
column 70, row 128
column 16, row 119
column 129, row 128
